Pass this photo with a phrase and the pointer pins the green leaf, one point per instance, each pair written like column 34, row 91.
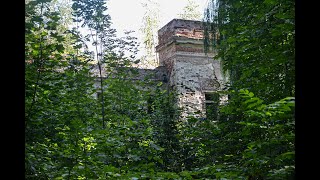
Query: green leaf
column 268, row 113
column 59, row 48
column 270, row 2
column 46, row 92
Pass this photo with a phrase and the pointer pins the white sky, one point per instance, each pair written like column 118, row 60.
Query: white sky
column 128, row 14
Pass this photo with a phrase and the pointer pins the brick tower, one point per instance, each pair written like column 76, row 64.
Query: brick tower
column 194, row 74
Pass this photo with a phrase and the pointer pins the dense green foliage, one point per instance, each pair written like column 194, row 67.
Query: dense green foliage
column 256, row 44
column 132, row 132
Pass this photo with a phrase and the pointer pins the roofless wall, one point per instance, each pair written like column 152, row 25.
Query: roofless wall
column 192, row 73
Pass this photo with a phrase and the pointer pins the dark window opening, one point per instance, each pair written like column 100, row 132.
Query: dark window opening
column 164, row 78
column 211, row 97
column 212, row 105
column 99, row 95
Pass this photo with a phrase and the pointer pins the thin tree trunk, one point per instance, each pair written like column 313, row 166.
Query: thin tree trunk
column 101, row 80
column 29, row 112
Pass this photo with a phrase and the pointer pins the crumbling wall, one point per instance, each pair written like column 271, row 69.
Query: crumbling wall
column 192, row 72
column 149, row 77
column 182, row 28
column 175, row 31
column 184, row 66
column 193, row 76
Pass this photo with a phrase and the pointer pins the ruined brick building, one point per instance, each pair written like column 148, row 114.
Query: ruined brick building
column 194, row 74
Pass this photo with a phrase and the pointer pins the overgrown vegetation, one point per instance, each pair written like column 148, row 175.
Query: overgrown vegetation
column 191, row 11
column 132, row 132
column 256, row 44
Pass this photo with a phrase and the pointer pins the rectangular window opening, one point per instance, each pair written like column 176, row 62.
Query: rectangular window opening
column 212, row 105
column 99, row 95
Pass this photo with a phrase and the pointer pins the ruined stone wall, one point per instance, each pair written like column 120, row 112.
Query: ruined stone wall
column 150, row 77
column 175, row 31
column 184, row 66
column 193, row 76
column 192, row 72
column 182, row 28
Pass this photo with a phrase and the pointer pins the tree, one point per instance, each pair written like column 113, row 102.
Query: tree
column 191, row 11
column 257, row 45
column 59, row 103
column 255, row 41
column 149, row 30
column 132, row 132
